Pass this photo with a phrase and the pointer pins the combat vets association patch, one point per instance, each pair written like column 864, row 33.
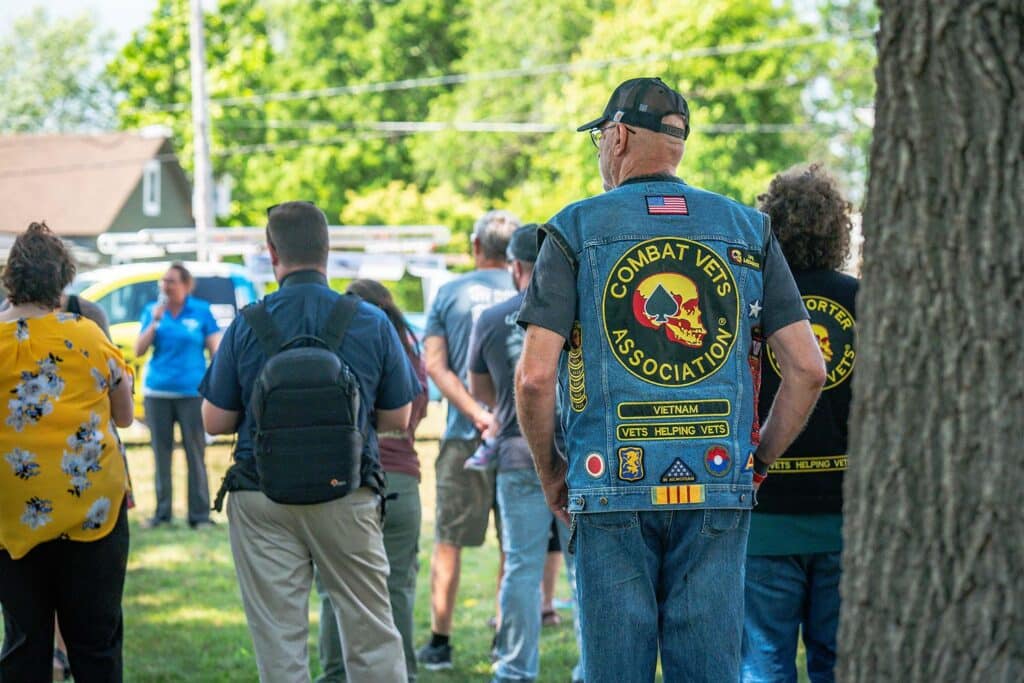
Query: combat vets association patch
column 631, row 463
column 834, row 329
column 678, row 473
column 717, row 461
column 671, row 308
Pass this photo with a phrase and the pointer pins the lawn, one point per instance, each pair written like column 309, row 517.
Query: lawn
column 183, row 612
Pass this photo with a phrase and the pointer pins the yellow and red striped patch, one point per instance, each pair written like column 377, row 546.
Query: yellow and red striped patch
column 690, row 494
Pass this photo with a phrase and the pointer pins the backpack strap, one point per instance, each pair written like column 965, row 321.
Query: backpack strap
column 263, row 327
column 338, row 320
column 73, row 305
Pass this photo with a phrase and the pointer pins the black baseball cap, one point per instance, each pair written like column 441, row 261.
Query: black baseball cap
column 643, row 102
column 522, row 246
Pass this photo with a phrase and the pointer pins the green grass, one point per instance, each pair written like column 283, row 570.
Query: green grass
column 183, row 611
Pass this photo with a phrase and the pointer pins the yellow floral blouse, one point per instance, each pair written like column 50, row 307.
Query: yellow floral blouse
column 62, row 467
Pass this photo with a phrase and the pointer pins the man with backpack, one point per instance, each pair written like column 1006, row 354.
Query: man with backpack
column 306, row 377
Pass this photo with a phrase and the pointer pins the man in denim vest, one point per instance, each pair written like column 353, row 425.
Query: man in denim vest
column 660, row 295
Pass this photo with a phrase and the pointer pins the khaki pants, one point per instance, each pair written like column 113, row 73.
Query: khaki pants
column 274, row 547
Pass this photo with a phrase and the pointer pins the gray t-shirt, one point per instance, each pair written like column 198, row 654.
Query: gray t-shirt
column 456, row 307
column 551, row 297
column 495, row 348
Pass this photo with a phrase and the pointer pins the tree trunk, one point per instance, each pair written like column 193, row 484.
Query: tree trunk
column 934, row 553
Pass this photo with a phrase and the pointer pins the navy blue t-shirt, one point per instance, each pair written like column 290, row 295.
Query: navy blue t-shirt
column 494, row 350
column 370, row 348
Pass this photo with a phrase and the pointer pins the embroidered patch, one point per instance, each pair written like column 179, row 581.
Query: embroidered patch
column 667, row 205
column 750, row 463
column 664, row 432
column 595, row 465
column 754, row 308
column 644, row 410
column 745, row 258
column 631, row 463
column 834, row 329
column 671, row 309
column 678, row 473
column 688, row 494
column 577, row 378
column 717, row 461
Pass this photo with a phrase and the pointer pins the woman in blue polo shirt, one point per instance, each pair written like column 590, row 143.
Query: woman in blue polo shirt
column 178, row 327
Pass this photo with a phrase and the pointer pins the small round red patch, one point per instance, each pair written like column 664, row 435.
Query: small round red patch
column 595, row 465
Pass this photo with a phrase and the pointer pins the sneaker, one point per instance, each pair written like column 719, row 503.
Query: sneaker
column 484, row 458
column 435, row 657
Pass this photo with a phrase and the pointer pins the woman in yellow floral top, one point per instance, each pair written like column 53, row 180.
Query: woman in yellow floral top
column 63, row 527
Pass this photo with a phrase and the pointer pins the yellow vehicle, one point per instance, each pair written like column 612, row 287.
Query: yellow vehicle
column 123, row 292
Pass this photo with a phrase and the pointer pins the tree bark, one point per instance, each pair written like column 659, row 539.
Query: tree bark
column 934, row 534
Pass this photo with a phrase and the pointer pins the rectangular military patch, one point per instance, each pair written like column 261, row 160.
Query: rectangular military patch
column 665, row 205
column 745, row 258
column 691, row 494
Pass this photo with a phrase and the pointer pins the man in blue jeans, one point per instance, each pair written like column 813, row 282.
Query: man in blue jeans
column 494, row 350
column 659, row 294
column 796, row 532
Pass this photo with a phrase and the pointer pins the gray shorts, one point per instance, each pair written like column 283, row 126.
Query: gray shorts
column 465, row 498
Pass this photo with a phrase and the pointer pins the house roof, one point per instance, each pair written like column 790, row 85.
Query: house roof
column 78, row 184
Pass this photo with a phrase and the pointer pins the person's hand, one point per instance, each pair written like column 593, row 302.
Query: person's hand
column 556, row 491
column 483, row 421
column 161, row 306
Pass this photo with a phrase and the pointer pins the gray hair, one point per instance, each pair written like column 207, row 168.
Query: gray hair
column 493, row 231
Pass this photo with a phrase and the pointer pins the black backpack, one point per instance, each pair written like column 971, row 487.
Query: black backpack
column 307, row 442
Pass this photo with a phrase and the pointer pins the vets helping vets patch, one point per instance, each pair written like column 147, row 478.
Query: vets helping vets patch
column 671, row 308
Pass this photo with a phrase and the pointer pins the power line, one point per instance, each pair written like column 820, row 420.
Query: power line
column 382, row 129
column 499, row 74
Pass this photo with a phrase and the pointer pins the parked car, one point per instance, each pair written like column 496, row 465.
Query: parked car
column 123, row 292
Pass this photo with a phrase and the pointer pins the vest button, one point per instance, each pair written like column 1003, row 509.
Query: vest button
column 603, row 500
column 743, row 497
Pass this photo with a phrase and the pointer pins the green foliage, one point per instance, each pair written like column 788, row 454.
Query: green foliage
column 552, row 64
column 48, row 74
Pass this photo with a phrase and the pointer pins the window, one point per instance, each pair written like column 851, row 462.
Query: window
column 151, row 188
column 125, row 304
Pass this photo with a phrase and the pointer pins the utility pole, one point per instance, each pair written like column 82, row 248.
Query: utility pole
column 202, row 183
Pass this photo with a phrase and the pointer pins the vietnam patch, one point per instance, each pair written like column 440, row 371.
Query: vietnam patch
column 631, row 463
column 834, row 329
column 671, row 310
column 717, row 461
column 678, row 473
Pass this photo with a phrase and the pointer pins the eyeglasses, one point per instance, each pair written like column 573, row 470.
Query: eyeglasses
column 597, row 133
column 300, row 201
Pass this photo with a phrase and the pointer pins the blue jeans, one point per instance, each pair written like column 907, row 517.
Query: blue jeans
column 653, row 580
column 787, row 593
column 526, row 522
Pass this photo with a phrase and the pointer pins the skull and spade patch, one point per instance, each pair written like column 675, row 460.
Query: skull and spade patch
column 671, row 308
column 834, row 330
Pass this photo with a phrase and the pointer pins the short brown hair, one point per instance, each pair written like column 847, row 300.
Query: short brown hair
column 298, row 233
column 38, row 268
column 810, row 218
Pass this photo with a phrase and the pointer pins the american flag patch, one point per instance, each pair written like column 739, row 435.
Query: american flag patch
column 667, row 205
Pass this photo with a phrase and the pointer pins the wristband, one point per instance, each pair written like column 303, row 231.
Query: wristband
column 760, row 470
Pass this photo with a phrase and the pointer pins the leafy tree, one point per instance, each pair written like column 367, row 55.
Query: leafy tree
column 931, row 589
column 50, row 74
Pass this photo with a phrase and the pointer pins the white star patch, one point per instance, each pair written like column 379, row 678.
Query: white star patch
column 755, row 308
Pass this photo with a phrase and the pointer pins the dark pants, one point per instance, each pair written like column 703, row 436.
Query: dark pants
column 82, row 582
column 161, row 414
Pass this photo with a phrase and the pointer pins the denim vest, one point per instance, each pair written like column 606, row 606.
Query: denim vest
column 660, row 376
